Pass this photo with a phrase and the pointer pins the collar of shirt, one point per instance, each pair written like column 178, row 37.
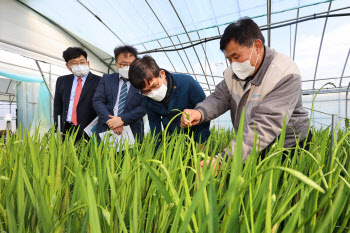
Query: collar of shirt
column 124, row 79
column 82, row 79
column 72, row 95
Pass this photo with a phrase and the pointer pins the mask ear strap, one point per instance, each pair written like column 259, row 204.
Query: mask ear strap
column 160, row 79
column 251, row 53
column 256, row 60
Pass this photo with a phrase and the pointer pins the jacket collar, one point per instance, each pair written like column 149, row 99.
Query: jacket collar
column 259, row 76
column 175, row 86
column 114, row 87
column 87, row 84
column 68, row 86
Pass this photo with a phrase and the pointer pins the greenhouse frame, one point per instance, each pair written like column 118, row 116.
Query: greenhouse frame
column 49, row 182
column 34, row 35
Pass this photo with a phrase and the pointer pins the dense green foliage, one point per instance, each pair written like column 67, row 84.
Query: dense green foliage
column 47, row 185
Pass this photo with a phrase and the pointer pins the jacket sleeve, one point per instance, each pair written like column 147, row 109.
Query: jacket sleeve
column 58, row 104
column 197, row 95
column 135, row 114
column 154, row 121
column 270, row 114
column 155, row 125
column 99, row 102
column 216, row 103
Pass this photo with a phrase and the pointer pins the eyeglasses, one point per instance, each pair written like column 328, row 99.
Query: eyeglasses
column 124, row 64
column 154, row 87
column 75, row 63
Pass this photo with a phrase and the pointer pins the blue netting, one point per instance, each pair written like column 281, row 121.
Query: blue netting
column 22, row 78
column 42, row 114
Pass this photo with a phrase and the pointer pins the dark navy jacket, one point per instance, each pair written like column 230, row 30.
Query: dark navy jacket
column 105, row 99
column 186, row 93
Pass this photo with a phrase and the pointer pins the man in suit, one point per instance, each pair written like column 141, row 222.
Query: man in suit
column 74, row 93
column 116, row 101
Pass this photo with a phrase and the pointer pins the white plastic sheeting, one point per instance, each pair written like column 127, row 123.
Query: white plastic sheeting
column 26, row 33
column 154, row 24
column 42, row 29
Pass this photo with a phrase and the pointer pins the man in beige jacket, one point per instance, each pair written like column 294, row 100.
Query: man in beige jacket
column 261, row 80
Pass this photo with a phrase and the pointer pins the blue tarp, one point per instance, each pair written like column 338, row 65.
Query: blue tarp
column 42, row 114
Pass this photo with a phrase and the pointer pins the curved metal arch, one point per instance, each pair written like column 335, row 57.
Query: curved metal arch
column 8, row 87
column 295, row 35
column 169, row 39
column 346, row 101
column 200, row 63
column 319, row 50
column 342, row 73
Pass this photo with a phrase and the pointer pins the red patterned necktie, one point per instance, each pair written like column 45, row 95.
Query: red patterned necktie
column 76, row 100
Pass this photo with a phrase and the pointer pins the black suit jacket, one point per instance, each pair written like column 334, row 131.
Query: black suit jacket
column 85, row 111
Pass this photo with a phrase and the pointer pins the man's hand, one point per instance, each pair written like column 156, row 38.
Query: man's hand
column 114, row 122
column 195, row 117
column 212, row 165
column 118, row 130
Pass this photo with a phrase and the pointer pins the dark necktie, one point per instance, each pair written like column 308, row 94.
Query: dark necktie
column 122, row 97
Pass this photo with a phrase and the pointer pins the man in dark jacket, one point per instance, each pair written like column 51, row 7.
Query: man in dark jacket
column 116, row 101
column 74, row 92
column 164, row 92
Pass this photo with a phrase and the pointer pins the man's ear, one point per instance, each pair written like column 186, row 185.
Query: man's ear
column 69, row 68
column 259, row 46
column 162, row 72
column 116, row 65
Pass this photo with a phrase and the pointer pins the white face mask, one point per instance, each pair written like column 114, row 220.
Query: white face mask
column 158, row 94
column 244, row 69
column 124, row 72
column 80, row 70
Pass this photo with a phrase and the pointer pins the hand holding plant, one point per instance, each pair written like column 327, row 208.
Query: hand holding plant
column 213, row 162
column 190, row 117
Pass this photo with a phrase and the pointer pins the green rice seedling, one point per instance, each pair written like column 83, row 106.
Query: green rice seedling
column 50, row 185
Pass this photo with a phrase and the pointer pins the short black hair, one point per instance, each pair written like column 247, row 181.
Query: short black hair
column 142, row 69
column 73, row 52
column 244, row 32
column 124, row 49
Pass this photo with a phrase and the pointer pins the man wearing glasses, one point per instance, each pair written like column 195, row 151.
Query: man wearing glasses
column 116, row 101
column 74, row 93
column 163, row 93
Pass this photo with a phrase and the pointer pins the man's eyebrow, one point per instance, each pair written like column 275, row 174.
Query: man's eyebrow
column 232, row 55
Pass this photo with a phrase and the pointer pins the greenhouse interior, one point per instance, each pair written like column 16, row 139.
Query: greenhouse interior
column 275, row 169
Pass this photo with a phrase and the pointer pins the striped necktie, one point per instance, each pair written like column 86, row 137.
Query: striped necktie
column 122, row 97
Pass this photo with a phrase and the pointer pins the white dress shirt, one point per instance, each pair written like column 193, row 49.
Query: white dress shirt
column 121, row 82
column 72, row 95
